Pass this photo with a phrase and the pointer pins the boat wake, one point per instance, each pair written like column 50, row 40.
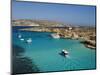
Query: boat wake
column 67, row 56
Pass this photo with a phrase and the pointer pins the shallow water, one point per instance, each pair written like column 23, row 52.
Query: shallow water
column 44, row 51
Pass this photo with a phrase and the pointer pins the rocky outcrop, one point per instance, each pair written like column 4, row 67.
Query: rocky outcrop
column 28, row 22
column 89, row 43
column 85, row 33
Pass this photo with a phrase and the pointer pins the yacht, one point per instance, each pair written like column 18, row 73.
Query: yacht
column 55, row 35
column 29, row 40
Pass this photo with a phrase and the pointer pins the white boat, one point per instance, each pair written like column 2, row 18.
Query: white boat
column 22, row 39
column 65, row 52
column 29, row 40
column 55, row 35
column 19, row 36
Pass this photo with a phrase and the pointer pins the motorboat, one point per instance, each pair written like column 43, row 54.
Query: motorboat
column 22, row 39
column 55, row 35
column 29, row 40
column 64, row 53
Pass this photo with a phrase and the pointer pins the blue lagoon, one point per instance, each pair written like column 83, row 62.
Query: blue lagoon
column 44, row 52
column 51, row 37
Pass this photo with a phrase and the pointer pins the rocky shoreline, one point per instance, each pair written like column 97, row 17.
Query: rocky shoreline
column 89, row 44
column 87, row 36
column 85, row 33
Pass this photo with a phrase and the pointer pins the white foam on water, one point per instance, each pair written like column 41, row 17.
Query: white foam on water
column 67, row 56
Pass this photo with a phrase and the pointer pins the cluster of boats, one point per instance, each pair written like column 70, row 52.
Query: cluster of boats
column 29, row 40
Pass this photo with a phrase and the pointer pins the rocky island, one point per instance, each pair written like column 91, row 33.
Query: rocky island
column 86, row 34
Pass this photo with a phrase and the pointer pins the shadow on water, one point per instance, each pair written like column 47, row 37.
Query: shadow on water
column 20, row 63
column 17, row 50
column 62, row 54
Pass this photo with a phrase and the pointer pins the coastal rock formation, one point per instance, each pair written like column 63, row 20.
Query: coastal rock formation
column 86, row 33
column 27, row 22
column 89, row 43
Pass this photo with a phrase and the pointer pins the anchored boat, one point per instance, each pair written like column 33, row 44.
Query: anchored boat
column 55, row 35
column 29, row 40
column 64, row 53
column 19, row 36
column 22, row 39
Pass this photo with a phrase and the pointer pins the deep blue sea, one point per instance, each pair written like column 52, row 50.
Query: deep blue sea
column 44, row 51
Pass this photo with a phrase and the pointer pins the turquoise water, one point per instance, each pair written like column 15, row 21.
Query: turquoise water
column 44, row 51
